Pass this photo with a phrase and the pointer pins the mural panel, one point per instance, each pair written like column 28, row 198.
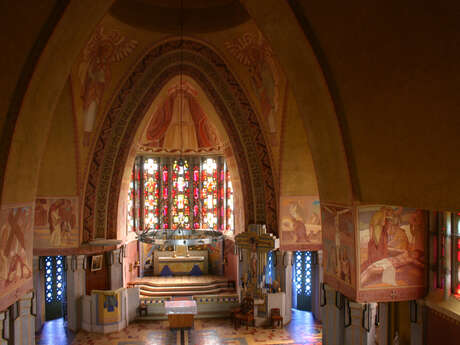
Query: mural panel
column 391, row 253
column 15, row 251
column 254, row 52
column 300, row 223
column 173, row 130
column 55, row 223
column 339, row 248
column 104, row 48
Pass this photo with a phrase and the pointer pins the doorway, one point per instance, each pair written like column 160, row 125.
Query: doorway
column 302, row 281
column 55, row 288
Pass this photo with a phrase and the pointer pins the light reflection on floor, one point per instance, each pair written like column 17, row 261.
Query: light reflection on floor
column 301, row 330
column 55, row 332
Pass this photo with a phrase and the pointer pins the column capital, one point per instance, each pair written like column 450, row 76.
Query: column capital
column 75, row 262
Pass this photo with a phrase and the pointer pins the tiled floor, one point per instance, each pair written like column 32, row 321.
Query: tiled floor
column 301, row 330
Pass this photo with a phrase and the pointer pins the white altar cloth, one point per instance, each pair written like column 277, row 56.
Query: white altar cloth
column 181, row 307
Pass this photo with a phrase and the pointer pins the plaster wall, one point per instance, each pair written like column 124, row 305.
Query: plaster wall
column 58, row 168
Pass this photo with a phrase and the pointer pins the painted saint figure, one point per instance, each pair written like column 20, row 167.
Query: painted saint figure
column 379, row 228
column 297, row 214
column 13, row 265
column 62, row 220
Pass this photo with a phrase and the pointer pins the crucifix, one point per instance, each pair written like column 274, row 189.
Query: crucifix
column 254, row 245
column 337, row 256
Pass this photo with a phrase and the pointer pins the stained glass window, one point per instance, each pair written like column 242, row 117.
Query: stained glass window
column 229, row 221
column 54, row 278
column 180, row 210
column 302, row 273
column 456, row 255
column 195, row 194
column 151, row 176
column 209, row 194
column 270, row 268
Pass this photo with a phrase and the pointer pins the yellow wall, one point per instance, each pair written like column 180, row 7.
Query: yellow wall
column 58, row 169
column 297, row 171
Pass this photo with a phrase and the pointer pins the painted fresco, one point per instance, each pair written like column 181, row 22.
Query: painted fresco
column 300, row 223
column 255, row 53
column 104, row 48
column 15, row 248
column 164, row 132
column 391, row 252
column 339, row 248
column 55, row 223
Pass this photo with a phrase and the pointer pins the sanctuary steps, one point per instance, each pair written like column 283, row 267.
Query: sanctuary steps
column 183, row 286
column 215, row 295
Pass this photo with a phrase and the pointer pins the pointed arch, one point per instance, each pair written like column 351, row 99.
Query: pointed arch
column 129, row 107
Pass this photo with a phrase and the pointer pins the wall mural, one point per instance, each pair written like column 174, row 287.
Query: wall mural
column 104, row 48
column 55, row 223
column 300, row 223
column 339, row 248
column 15, row 249
column 255, row 53
column 164, row 133
column 391, row 252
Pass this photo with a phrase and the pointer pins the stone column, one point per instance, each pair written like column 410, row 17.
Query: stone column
column 116, row 270
column 3, row 321
column 417, row 322
column 39, row 287
column 24, row 324
column 317, row 278
column 362, row 327
column 381, row 324
column 76, row 289
column 332, row 318
column 284, row 262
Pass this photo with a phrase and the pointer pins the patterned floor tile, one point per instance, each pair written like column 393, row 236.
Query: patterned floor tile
column 302, row 330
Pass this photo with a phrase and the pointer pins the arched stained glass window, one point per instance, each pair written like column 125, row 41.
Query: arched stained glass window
column 165, row 194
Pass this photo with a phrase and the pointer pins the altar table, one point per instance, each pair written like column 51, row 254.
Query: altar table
column 181, row 313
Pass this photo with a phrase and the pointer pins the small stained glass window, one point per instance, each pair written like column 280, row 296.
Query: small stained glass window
column 54, row 278
column 302, row 273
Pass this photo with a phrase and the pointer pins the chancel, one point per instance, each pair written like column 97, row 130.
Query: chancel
column 229, row 172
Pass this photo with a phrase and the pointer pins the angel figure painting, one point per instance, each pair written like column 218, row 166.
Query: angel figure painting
column 255, row 53
column 391, row 246
column 103, row 49
column 300, row 223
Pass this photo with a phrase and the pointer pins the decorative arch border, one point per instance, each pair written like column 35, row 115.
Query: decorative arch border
column 128, row 108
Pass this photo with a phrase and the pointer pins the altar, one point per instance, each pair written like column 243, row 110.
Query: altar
column 177, row 263
column 181, row 313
